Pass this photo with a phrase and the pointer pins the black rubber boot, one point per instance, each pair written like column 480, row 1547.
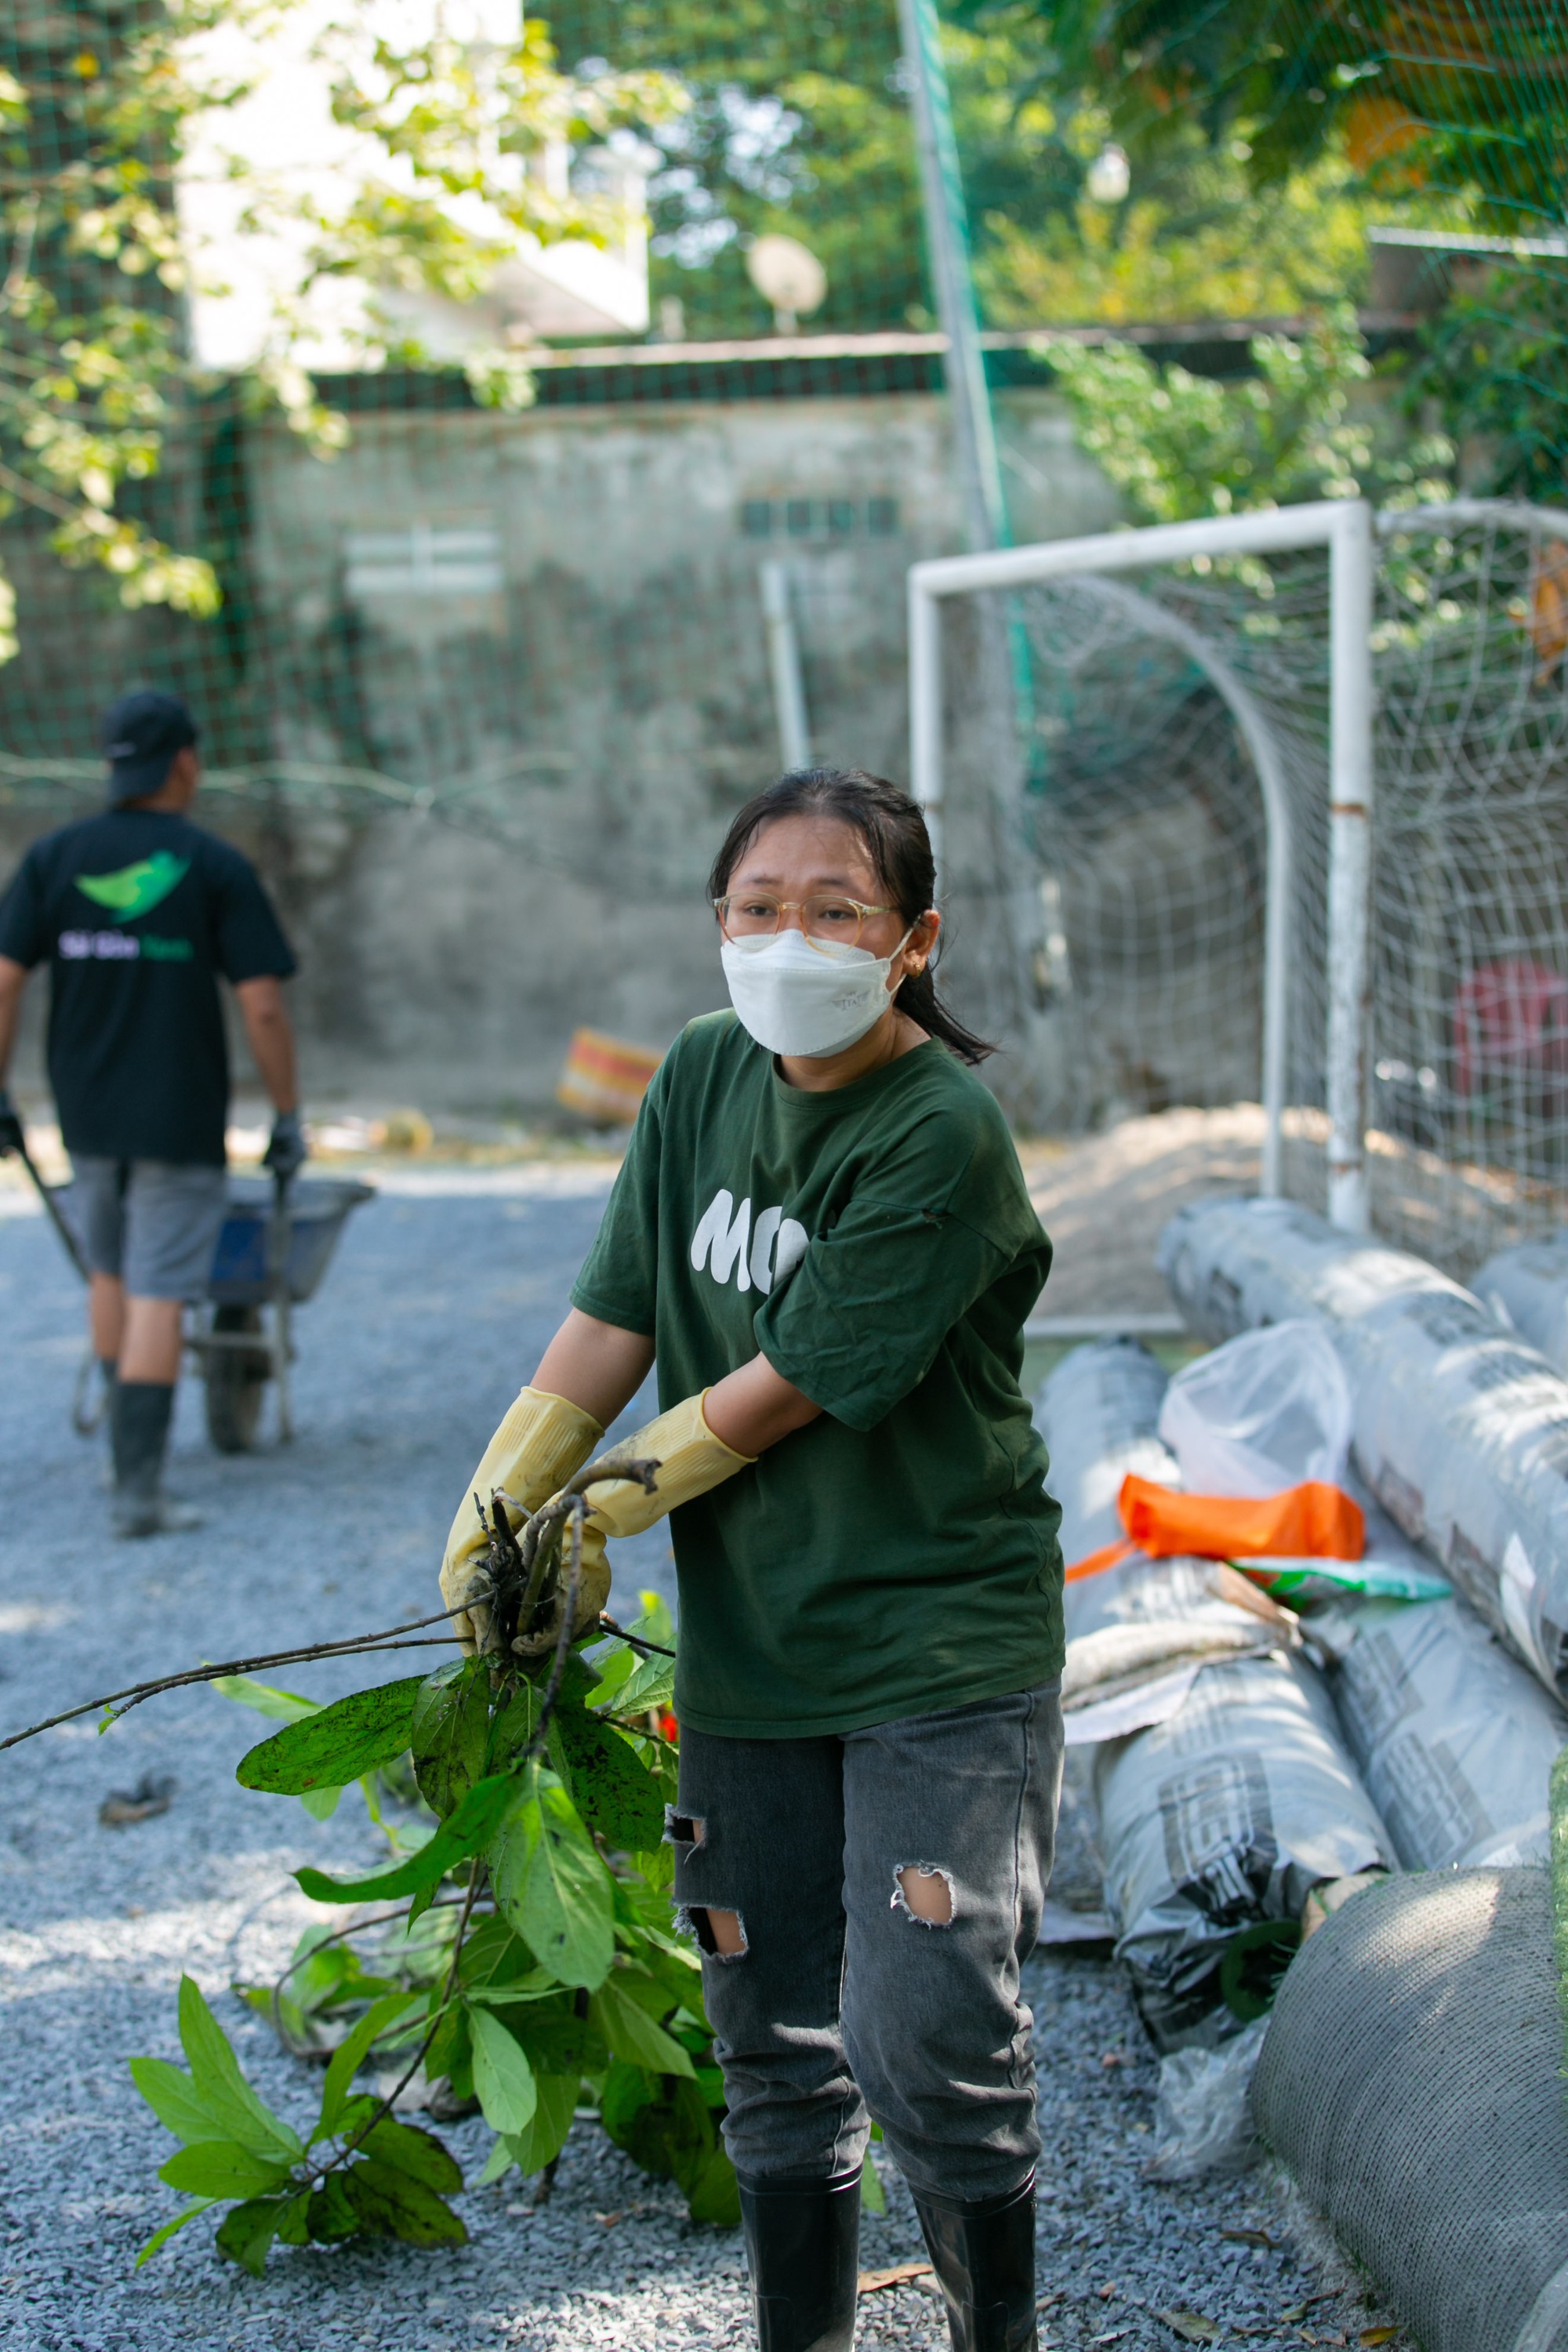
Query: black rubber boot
column 803, row 2250
column 139, row 1428
column 983, row 2255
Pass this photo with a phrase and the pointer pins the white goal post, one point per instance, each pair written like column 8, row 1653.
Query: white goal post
column 1345, row 527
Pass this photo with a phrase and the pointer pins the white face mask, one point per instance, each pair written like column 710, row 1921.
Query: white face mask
column 797, row 999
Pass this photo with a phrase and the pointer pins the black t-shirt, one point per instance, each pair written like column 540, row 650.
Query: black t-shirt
column 137, row 912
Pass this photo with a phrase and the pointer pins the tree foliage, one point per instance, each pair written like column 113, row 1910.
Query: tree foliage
column 800, row 122
column 96, row 376
column 1417, row 92
column 1180, row 446
column 1495, row 363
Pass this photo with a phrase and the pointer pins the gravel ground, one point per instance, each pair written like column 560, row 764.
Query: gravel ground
column 437, row 1304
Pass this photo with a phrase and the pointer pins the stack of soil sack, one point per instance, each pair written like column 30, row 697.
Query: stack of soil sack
column 1234, row 1798
column 1460, row 1429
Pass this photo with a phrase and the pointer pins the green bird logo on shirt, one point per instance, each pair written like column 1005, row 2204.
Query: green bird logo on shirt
column 136, row 889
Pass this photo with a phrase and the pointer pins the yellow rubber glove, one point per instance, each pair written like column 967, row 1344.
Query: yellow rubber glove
column 690, row 1459
column 543, row 1441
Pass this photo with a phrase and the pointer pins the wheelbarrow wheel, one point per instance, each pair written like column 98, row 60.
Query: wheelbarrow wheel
column 236, row 1380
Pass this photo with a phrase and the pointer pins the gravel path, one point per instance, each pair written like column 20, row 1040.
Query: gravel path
column 435, row 1307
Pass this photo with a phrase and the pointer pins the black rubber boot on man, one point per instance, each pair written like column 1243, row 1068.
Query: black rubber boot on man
column 803, row 2250
column 139, row 1429
column 984, row 2254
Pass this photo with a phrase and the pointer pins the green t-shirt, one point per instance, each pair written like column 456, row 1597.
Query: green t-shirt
column 877, row 1245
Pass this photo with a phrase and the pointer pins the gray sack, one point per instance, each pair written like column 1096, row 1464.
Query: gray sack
column 1227, row 1814
column 1455, row 1741
column 1410, row 2082
column 1527, row 1288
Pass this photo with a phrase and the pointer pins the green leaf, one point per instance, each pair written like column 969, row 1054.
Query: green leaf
column 321, row 1803
column 503, row 2079
column 449, row 1731
column 715, row 2195
column 329, row 2218
column 873, row 2196
column 175, row 2101
column 557, row 2042
column 246, row 2233
column 664, row 2124
column 545, row 2137
column 392, row 2204
column 538, row 1985
column 418, row 2153
column 219, row 2083
column 172, row 2229
column 657, row 1867
column 350, row 2055
column 283, row 1707
column 616, row 1668
column 656, row 1623
column 334, row 1746
column 221, row 2167
column 472, row 1826
column 553, row 1888
column 633, row 2036
column 611, row 1787
column 652, row 1685
column 625, row 2092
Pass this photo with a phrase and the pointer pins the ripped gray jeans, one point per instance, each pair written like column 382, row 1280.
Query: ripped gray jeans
column 845, row 2004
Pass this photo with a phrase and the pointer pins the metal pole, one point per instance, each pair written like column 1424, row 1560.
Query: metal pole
column 925, row 710
column 1350, row 860
column 783, row 660
column 947, row 241
column 46, row 1193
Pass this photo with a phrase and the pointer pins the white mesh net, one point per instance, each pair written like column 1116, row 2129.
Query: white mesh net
column 1115, row 797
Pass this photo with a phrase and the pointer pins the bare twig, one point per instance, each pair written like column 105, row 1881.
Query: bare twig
column 649, row 1649
column 528, row 1558
column 366, row 1644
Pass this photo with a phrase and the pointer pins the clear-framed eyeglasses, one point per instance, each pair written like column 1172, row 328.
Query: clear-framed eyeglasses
column 829, row 921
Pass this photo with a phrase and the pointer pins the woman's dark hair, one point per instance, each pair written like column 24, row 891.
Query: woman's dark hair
column 894, row 832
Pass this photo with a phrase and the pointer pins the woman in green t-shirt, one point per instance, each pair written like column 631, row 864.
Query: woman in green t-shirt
column 821, row 1237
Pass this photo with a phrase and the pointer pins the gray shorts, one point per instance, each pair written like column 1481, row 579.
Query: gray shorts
column 152, row 1223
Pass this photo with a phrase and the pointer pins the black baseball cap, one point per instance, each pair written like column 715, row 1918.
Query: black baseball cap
column 141, row 734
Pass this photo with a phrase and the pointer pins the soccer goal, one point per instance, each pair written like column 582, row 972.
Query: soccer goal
column 1163, row 771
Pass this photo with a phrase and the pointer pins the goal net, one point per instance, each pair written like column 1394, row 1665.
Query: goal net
column 1099, row 787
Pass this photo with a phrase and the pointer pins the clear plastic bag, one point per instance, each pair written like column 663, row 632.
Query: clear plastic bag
column 1265, row 1412
column 1203, row 2122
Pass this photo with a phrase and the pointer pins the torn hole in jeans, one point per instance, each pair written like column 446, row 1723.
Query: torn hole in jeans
column 923, row 1891
column 684, row 1829
column 725, row 1941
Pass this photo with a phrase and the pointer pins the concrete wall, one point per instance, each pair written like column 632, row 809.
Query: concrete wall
column 550, row 626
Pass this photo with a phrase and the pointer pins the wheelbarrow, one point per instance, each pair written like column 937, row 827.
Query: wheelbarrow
column 275, row 1243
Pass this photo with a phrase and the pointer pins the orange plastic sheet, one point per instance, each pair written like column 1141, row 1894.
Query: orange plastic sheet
column 1314, row 1521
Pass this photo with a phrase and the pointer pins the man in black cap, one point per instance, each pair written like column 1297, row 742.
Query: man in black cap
column 137, row 912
